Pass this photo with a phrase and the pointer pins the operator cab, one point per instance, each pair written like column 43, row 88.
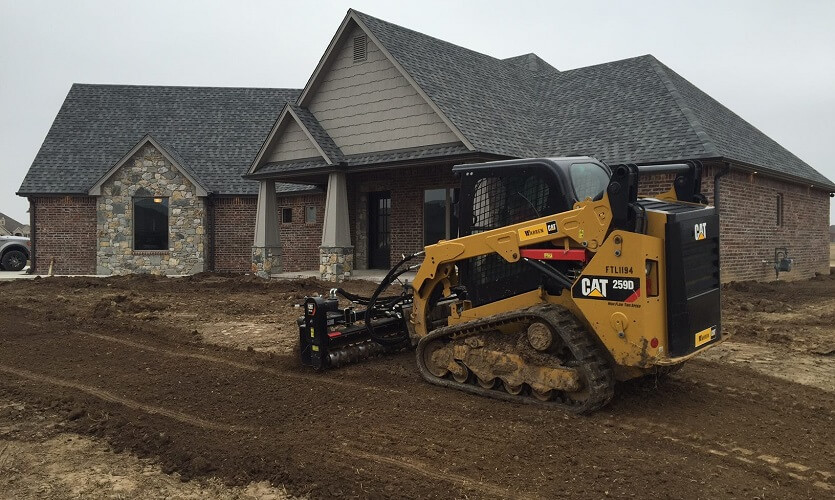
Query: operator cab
column 501, row 193
column 539, row 186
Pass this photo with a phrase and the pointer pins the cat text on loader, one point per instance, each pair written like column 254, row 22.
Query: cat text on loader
column 561, row 282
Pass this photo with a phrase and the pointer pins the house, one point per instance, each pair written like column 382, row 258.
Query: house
column 11, row 227
column 355, row 168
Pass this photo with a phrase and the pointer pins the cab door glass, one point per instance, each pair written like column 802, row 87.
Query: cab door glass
column 588, row 180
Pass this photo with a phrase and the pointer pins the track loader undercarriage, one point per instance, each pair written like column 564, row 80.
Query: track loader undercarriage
column 544, row 309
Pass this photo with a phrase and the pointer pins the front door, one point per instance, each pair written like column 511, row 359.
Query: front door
column 379, row 245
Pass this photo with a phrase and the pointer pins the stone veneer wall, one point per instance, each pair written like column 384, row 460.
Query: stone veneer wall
column 149, row 173
column 336, row 263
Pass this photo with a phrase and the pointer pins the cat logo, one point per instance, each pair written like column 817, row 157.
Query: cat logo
column 594, row 287
column 700, row 230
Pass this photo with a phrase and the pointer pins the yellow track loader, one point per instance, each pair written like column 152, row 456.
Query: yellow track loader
column 561, row 282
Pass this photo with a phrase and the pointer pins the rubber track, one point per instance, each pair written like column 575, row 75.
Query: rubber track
column 589, row 357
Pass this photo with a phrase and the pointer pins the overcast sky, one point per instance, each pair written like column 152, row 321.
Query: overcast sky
column 771, row 62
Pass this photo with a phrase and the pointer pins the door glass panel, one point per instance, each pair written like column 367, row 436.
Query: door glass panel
column 434, row 215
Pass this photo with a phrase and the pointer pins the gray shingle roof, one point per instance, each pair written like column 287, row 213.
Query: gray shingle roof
column 11, row 223
column 215, row 132
column 635, row 110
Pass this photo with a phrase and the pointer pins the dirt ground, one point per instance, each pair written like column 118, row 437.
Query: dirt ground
column 138, row 387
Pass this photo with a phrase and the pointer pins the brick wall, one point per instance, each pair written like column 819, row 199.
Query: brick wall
column 300, row 241
column 233, row 231
column 749, row 230
column 65, row 229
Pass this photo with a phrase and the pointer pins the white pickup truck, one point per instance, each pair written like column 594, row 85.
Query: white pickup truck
column 14, row 252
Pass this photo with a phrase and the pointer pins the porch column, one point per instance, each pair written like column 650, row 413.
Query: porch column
column 336, row 255
column 266, row 249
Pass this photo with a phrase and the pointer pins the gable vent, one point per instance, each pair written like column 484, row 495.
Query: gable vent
column 360, row 48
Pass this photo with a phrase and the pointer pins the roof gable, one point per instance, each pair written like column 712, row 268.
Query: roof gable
column 9, row 223
column 296, row 135
column 172, row 157
column 372, row 104
column 490, row 101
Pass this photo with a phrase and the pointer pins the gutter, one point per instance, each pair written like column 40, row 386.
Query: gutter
column 725, row 171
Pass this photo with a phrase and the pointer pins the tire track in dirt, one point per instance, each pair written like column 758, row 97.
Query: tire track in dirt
column 130, row 403
column 237, row 364
column 430, row 472
column 706, row 445
column 747, row 394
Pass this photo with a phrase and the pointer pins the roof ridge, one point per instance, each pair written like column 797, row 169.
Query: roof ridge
column 363, row 14
column 696, row 124
column 207, row 87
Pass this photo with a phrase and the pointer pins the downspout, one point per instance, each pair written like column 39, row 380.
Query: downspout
column 32, row 238
column 725, row 171
column 210, row 233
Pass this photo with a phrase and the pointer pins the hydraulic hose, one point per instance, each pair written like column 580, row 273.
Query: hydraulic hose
column 394, row 273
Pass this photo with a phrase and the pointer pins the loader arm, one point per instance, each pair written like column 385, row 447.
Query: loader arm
column 586, row 226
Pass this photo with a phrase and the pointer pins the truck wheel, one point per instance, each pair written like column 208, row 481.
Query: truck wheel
column 14, row 260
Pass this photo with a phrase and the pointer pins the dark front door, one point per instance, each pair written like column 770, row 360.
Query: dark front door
column 379, row 211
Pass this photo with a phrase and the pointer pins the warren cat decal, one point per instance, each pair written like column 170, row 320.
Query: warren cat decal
column 535, row 231
column 615, row 289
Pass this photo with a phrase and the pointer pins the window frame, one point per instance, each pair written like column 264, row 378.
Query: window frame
column 284, row 211
column 165, row 200
column 781, row 211
column 306, row 213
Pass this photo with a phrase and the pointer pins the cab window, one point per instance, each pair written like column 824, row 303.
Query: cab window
column 589, row 180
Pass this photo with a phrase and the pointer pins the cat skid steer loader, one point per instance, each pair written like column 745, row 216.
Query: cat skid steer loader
column 561, row 282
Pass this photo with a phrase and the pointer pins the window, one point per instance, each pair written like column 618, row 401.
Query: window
column 440, row 215
column 360, row 48
column 310, row 214
column 779, row 209
column 588, row 180
column 286, row 215
column 150, row 223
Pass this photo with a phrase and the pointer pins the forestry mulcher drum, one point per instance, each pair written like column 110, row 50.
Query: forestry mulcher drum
column 561, row 282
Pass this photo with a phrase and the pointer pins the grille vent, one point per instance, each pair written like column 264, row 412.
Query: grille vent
column 360, row 48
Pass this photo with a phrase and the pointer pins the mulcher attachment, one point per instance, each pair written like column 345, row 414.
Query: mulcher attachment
column 330, row 337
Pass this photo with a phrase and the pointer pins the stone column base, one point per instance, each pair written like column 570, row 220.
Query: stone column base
column 266, row 261
column 336, row 263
